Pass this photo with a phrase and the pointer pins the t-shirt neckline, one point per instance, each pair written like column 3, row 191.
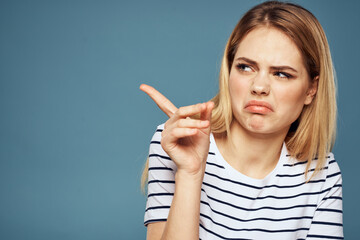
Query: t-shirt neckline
column 235, row 174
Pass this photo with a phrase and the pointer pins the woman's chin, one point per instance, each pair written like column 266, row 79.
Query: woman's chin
column 256, row 123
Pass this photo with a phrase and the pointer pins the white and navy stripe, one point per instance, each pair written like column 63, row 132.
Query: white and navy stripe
column 234, row 206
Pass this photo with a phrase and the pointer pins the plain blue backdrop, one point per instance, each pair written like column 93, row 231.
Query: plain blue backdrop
column 75, row 129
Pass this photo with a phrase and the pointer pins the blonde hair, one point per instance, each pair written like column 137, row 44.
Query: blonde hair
column 312, row 135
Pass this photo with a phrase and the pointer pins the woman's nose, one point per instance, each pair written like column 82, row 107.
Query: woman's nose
column 260, row 85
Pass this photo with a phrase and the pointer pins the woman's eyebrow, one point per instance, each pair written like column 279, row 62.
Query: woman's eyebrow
column 252, row 62
column 277, row 68
column 281, row 68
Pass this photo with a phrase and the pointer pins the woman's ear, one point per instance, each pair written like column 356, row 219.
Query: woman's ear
column 311, row 92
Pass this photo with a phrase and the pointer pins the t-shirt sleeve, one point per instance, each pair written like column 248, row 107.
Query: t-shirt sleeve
column 327, row 222
column 161, row 181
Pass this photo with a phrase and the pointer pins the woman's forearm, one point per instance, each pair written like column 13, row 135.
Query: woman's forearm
column 183, row 219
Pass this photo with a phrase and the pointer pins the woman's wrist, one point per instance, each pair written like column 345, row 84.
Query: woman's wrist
column 190, row 177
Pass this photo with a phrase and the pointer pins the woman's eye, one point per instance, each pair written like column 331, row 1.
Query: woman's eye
column 244, row 68
column 283, row 75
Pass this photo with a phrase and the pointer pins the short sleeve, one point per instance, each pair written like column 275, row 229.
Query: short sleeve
column 327, row 222
column 161, row 181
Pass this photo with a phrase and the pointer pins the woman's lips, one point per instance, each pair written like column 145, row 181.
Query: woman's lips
column 259, row 107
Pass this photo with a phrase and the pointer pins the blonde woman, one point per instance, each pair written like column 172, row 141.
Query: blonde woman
column 255, row 162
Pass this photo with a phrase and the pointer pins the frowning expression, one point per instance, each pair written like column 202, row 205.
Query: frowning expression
column 269, row 84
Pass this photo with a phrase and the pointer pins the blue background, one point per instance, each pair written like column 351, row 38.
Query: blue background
column 75, row 129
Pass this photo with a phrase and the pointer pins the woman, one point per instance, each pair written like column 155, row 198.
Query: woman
column 255, row 161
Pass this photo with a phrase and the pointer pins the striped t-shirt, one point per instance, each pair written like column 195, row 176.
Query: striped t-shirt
column 235, row 206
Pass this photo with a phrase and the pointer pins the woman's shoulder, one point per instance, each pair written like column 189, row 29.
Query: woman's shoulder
column 317, row 170
column 156, row 138
column 160, row 128
column 331, row 161
column 157, row 155
column 330, row 171
column 332, row 166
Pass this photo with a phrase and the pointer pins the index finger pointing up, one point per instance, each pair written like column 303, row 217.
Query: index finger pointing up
column 163, row 103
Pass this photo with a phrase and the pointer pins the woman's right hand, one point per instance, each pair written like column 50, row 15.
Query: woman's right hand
column 184, row 139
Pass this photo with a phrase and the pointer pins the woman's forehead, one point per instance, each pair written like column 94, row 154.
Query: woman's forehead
column 269, row 45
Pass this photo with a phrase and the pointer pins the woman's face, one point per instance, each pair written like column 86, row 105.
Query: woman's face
column 269, row 84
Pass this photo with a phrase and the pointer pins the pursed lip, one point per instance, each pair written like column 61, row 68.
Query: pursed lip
column 256, row 106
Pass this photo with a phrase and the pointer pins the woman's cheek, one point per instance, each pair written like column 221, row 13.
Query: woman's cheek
column 292, row 101
column 238, row 86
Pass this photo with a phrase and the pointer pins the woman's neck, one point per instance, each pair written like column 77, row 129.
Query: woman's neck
column 254, row 155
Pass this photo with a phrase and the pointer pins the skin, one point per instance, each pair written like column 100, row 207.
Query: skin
column 254, row 75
